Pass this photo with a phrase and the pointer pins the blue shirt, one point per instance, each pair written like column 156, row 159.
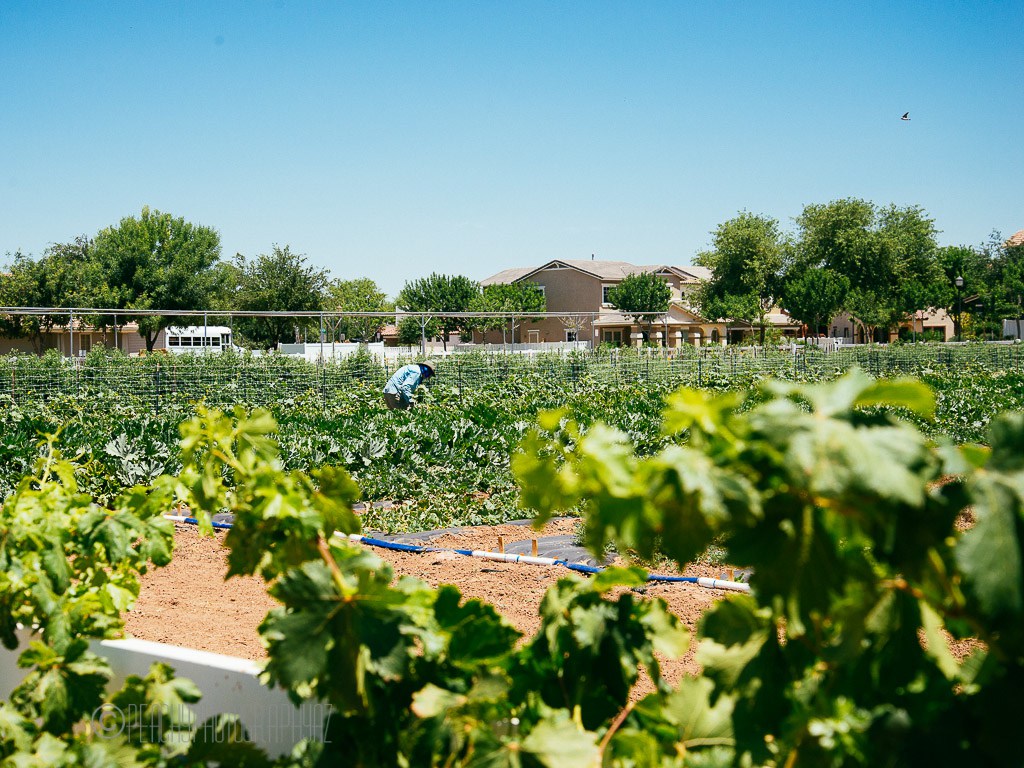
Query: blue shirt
column 404, row 381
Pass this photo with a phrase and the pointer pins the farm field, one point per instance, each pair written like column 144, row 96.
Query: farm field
column 446, row 462
column 223, row 616
column 834, row 494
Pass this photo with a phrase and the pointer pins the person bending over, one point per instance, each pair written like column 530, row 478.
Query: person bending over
column 400, row 387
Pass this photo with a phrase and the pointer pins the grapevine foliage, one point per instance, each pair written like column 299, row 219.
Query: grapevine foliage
column 841, row 655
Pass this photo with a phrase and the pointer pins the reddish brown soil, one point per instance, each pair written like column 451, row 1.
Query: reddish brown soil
column 189, row 603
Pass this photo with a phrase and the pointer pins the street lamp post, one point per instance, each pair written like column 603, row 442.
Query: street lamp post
column 959, row 283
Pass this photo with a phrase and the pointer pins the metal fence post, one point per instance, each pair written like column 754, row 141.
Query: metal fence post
column 323, row 383
column 156, row 389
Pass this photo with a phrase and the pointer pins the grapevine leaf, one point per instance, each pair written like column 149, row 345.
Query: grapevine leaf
column 902, row 393
column 223, row 740
column 695, row 408
column 989, row 554
column 700, row 724
column 936, row 644
column 478, row 633
column 1006, row 436
column 618, row 577
column 432, row 701
column 560, row 743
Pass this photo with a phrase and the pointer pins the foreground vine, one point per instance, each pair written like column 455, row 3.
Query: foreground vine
column 840, row 656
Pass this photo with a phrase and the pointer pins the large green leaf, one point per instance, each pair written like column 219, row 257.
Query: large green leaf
column 560, row 743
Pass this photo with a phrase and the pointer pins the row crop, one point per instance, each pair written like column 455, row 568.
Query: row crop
column 270, row 380
column 445, row 462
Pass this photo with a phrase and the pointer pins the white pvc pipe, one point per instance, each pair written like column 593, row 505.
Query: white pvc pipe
column 507, row 557
column 735, row 586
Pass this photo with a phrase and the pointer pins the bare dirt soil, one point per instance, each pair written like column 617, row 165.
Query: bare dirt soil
column 189, row 603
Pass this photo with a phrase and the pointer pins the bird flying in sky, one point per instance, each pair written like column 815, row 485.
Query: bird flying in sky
column 906, row 116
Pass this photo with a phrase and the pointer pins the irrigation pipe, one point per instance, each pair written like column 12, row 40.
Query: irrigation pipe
column 506, row 557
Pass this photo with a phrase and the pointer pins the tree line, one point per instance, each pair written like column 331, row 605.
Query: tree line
column 880, row 264
column 159, row 261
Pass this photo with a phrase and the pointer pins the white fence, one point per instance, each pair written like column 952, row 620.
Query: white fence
column 314, row 352
column 230, row 686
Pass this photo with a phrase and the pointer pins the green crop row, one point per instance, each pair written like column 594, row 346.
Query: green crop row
column 445, row 462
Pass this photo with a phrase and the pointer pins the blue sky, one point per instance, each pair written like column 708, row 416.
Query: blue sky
column 393, row 139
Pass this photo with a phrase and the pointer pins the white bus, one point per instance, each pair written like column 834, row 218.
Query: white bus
column 198, row 338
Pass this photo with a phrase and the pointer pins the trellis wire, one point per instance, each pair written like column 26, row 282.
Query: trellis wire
column 276, row 380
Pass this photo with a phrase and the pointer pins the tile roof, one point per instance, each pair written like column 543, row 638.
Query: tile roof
column 1016, row 239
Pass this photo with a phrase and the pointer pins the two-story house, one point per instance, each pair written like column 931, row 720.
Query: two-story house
column 581, row 286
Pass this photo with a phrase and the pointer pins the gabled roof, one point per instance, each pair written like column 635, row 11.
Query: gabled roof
column 688, row 272
column 601, row 269
column 506, row 276
column 700, row 273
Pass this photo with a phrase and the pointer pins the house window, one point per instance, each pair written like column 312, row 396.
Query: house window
column 714, row 336
column 173, row 341
column 570, row 335
column 605, row 287
column 612, row 337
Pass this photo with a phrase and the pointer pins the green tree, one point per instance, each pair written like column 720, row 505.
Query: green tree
column 747, row 260
column 510, row 298
column 67, row 275
column 972, row 268
column 20, row 286
column 814, row 295
column 643, row 296
column 1006, row 280
column 888, row 254
column 281, row 281
column 157, row 261
column 412, row 331
column 440, row 294
column 359, row 295
column 908, row 235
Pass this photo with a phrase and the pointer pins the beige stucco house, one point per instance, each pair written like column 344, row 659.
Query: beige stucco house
column 581, row 286
column 935, row 322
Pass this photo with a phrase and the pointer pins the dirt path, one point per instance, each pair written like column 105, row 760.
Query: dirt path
column 189, row 603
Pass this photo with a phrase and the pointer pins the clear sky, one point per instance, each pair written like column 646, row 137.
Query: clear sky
column 393, row 139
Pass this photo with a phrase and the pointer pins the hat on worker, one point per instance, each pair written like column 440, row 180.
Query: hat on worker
column 428, row 366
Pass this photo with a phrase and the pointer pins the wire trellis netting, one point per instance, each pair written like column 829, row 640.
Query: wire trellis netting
column 275, row 380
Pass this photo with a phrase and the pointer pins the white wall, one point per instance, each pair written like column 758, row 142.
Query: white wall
column 229, row 685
